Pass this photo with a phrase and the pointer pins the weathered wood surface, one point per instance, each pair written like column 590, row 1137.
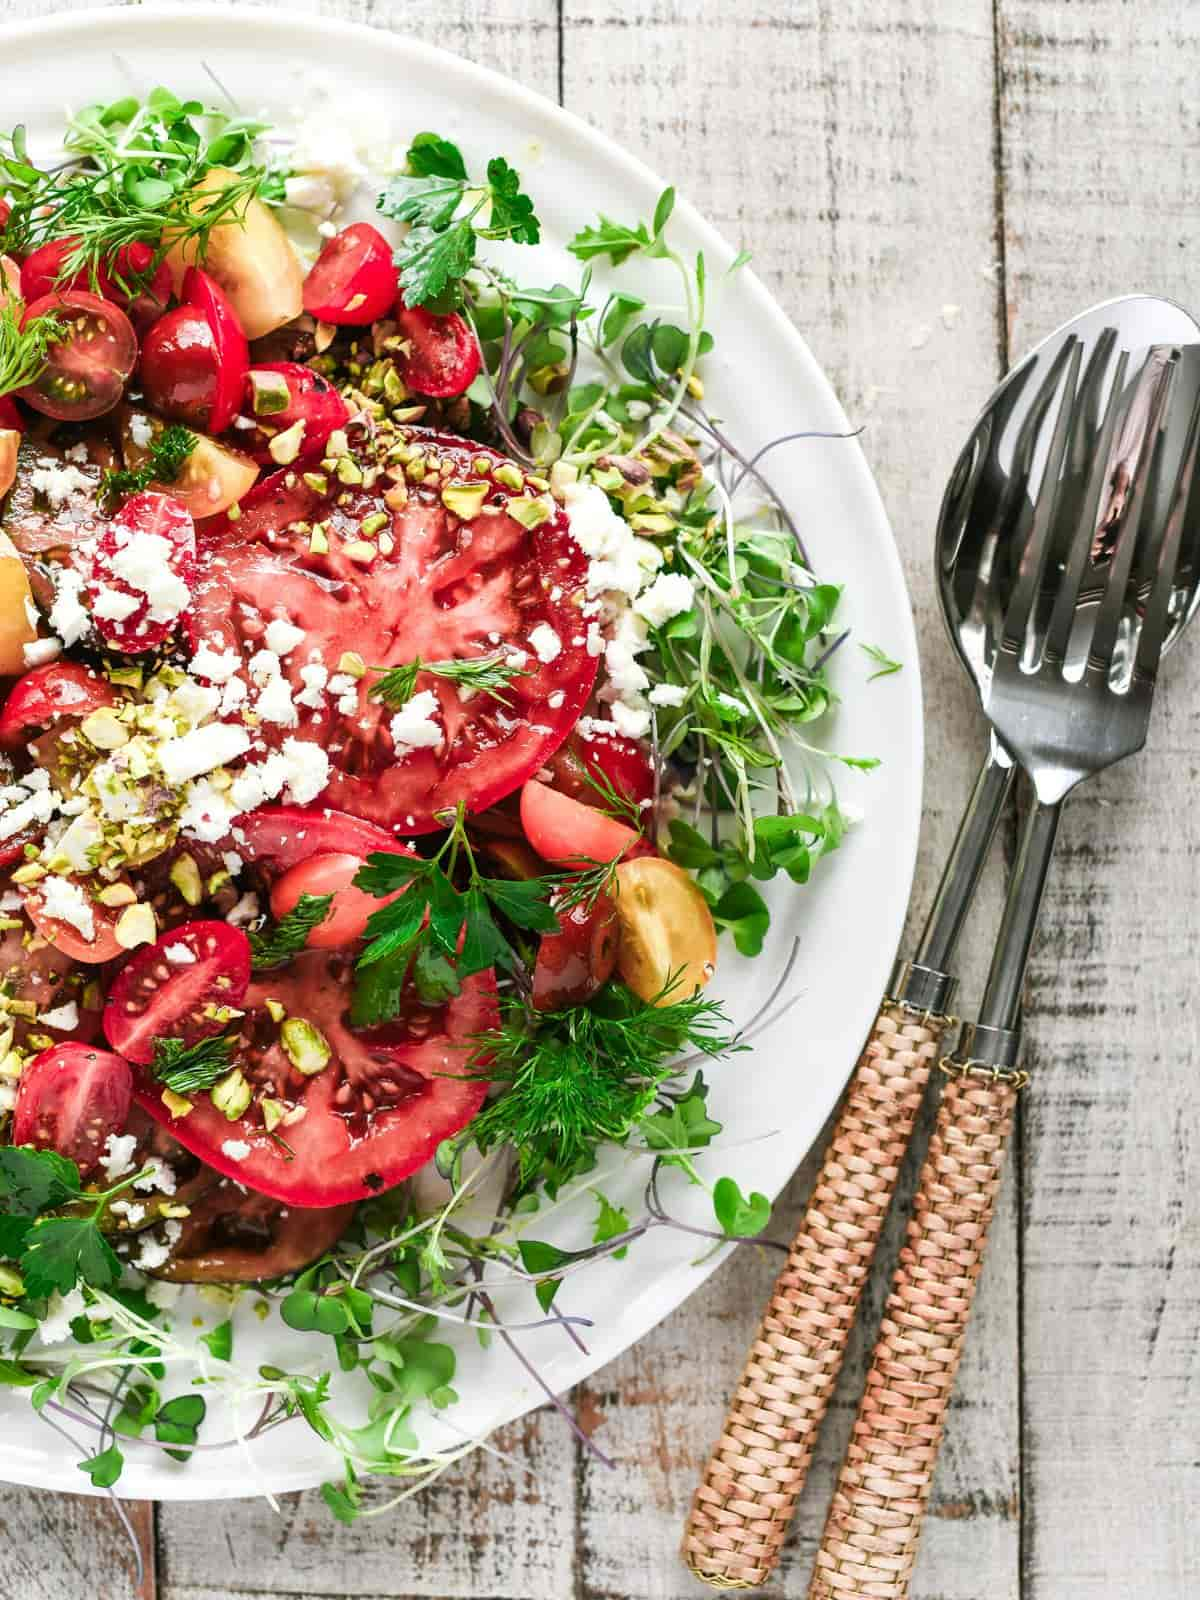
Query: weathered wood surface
column 927, row 188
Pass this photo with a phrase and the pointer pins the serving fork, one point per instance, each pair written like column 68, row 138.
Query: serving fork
column 1107, row 566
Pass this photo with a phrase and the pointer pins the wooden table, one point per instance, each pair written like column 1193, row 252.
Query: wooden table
column 928, row 188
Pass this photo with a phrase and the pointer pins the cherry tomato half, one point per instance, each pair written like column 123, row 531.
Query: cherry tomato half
column 85, row 372
column 195, row 359
column 59, row 689
column 353, row 280
column 175, row 988
column 70, row 1099
column 351, row 908
column 562, row 829
column 124, row 614
column 233, row 353
column 311, row 399
column 574, row 962
column 443, row 358
column 127, row 281
column 667, row 932
column 91, row 949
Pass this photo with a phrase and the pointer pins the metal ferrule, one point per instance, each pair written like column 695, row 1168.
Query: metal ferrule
column 990, row 1047
column 925, row 989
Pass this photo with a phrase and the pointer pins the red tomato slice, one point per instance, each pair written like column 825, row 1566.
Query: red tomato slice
column 562, row 829
column 165, row 989
column 583, row 768
column 375, row 1113
column 65, row 936
column 59, row 689
column 11, row 415
column 113, row 582
column 351, row 908
column 70, row 1099
column 574, row 962
column 353, row 280
column 232, row 351
column 86, row 372
column 447, row 588
column 312, row 400
column 443, row 358
column 279, row 837
column 127, row 283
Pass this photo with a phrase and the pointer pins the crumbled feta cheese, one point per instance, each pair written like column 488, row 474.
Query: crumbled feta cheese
column 218, row 666
column 68, row 617
column 555, row 699
column 282, row 637
column 633, row 722
column 414, row 728
column 207, row 812
column 8, row 1095
column 132, row 1210
column 668, row 596
column 77, row 844
column 77, row 452
column 595, row 640
column 307, row 770
column 235, row 1149
column 179, row 955
column 55, row 1326
column 113, row 605
column 66, row 902
column 625, row 676
column 117, row 1159
column 143, row 561
column 152, row 1253
column 158, row 1176
column 39, row 651
column 59, row 483
column 275, row 703
column 141, row 430
column 314, row 677
column 199, row 751
column 605, row 538
column 26, row 803
column 547, row 646
column 63, row 1018
column 233, row 696
column 668, row 694
column 308, row 192
column 232, row 862
column 325, row 149
column 161, row 1294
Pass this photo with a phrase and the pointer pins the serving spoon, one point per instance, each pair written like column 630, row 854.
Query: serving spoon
column 744, row 1503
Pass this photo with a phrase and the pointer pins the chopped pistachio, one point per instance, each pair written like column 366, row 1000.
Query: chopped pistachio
column 510, row 475
column 372, row 524
column 535, row 482
column 172, row 1208
column 395, row 498
column 8, row 923
column 352, row 663
column 185, row 875
column 275, row 1010
column 135, row 926
column 318, row 542
column 529, row 513
column 317, row 482
column 394, row 391
column 337, row 444
column 386, row 544
column 39, row 1041
column 272, row 1114
column 22, row 1008
column 126, row 676
column 221, row 1014
column 217, row 880
column 269, row 394
column 177, row 1104
column 323, row 336
column 409, row 413
column 231, row 1095
column 348, row 470
column 234, row 512
column 465, row 500
column 562, row 475
column 12, row 1065
column 306, row 1047
column 285, row 446
column 360, row 552
column 415, row 470
column 29, row 873
column 122, row 894
column 93, row 996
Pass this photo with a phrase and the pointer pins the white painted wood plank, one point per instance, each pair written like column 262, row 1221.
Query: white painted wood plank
column 1102, row 196
column 851, row 148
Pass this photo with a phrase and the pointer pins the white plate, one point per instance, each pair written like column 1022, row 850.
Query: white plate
column 764, row 380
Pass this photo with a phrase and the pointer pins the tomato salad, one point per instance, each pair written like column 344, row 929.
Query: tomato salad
column 391, row 718
column 273, row 628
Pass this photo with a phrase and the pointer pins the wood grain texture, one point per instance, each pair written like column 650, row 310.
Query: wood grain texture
column 1102, row 196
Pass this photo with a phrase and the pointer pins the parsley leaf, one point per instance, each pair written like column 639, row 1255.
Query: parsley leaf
column 36, row 1180
column 271, row 947
column 61, row 1251
column 610, row 1223
column 189, row 1068
column 447, row 214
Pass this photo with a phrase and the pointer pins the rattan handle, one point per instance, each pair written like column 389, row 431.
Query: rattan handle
column 744, row 1503
column 874, row 1524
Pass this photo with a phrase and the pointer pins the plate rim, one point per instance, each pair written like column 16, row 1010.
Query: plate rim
column 119, row 23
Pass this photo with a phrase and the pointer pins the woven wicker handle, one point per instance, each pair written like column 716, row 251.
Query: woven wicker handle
column 744, row 1503
column 874, row 1524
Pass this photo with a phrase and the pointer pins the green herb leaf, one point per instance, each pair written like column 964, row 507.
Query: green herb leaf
column 611, row 1222
column 682, row 1125
column 522, row 901
column 611, row 239
column 36, row 1180
column 103, row 1469
column 272, row 946
column 63, row 1251
column 189, row 1069
column 169, row 450
column 23, row 350
column 743, row 911
column 178, row 1422
column 430, row 156
column 488, row 674
column 885, row 666
column 739, row 1217
column 220, row 1340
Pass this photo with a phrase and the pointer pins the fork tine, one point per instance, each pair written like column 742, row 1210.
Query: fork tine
column 1079, row 550
column 1033, row 548
column 1143, row 478
column 1154, row 623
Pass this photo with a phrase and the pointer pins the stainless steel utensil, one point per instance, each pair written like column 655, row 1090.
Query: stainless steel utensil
column 745, row 1500
column 1078, row 601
